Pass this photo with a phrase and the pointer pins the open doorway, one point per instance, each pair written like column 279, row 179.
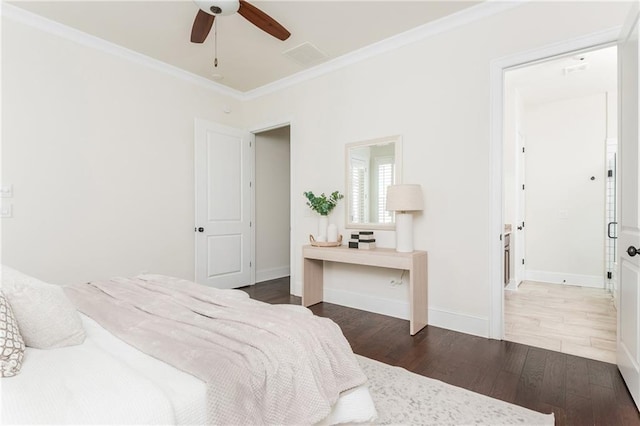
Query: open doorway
column 273, row 205
column 559, row 203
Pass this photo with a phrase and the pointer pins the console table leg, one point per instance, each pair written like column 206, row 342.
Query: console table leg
column 313, row 284
column 419, row 295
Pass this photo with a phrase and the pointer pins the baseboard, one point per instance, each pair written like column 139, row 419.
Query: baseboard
column 456, row 321
column 366, row 302
column 565, row 279
column 400, row 309
column 511, row 285
column 296, row 288
column 272, row 273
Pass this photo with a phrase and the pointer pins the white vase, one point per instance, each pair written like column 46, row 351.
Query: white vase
column 323, row 223
column 332, row 233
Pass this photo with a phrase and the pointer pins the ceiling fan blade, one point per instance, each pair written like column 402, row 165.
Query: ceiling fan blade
column 201, row 27
column 263, row 21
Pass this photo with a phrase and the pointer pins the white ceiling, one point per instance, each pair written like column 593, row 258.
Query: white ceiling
column 247, row 57
column 548, row 81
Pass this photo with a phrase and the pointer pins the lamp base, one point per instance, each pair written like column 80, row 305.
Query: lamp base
column 404, row 232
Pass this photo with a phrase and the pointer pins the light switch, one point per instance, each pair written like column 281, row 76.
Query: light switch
column 6, row 210
column 6, row 190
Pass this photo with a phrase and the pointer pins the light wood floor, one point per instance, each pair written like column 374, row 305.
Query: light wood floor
column 573, row 320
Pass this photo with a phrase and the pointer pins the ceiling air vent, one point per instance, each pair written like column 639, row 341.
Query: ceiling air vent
column 575, row 68
column 305, row 54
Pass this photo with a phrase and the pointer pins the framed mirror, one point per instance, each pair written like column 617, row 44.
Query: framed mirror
column 371, row 166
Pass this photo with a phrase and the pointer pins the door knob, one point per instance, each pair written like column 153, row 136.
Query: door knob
column 519, row 228
column 632, row 251
column 201, row 229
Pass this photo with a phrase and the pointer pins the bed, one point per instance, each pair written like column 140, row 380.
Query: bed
column 104, row 380
column 86, row 368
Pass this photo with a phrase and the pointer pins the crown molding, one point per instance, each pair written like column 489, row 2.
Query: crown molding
column 55, row 28
column 444, row 24
column 447, row 23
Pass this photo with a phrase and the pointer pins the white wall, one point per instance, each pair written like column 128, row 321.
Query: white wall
column 435, row 93
column 565, row 209
column 273, row 204
column 612, row 115
column 99, row 150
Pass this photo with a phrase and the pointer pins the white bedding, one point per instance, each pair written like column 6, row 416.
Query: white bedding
column 106, row 381
column 102, row 381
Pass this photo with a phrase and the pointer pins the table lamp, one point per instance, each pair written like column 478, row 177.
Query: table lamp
column 403, row 199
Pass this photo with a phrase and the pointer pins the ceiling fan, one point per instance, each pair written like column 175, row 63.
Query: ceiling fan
column 209, row 9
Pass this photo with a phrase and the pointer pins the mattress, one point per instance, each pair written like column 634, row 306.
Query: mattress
column 106, row 381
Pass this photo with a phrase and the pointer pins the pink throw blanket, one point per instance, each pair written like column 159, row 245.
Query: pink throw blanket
column 263, row 364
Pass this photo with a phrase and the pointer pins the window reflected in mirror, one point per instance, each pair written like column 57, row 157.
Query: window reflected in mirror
column 371, row 167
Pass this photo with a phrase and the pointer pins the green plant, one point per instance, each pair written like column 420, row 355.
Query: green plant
column 323, row 204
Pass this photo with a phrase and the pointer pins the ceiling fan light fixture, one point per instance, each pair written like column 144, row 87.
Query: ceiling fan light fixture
column 218, row 7
column 209, row 9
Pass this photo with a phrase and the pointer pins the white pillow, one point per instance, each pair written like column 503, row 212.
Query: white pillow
column 11, row 343
column 46, row 317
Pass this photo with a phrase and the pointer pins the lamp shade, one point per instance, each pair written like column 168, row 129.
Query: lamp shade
column 406, row 197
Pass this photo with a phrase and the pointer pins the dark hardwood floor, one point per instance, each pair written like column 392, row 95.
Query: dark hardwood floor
column 579, row 391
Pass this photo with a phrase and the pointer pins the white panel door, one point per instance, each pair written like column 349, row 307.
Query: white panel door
column 223, row 205
column 628, row 356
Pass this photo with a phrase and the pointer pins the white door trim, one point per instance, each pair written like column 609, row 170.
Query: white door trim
column 497, row 69
column 252, row 231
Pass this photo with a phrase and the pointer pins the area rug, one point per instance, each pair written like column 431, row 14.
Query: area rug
column 405, row 398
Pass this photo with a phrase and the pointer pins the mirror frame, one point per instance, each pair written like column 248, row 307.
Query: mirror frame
column 397, row 139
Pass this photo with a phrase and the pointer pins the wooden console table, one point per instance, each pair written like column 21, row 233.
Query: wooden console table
column 415, row 263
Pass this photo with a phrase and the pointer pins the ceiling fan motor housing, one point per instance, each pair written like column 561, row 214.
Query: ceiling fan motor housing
column 209, row 9
column 219, row 7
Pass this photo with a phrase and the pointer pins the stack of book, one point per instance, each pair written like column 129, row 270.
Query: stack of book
column 362, row 240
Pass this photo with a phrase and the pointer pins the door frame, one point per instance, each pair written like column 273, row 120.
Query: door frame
column 276, row 124
column 498, row 67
